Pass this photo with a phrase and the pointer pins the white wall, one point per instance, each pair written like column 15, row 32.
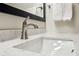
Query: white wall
column 76, row 17
column 50, row 25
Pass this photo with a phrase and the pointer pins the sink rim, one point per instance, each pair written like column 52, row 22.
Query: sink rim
column 44, row 38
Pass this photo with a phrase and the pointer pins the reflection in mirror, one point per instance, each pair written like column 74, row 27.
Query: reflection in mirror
column 34, row 8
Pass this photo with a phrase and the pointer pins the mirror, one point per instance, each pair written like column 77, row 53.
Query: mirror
column 33, row 8
column 24, row 10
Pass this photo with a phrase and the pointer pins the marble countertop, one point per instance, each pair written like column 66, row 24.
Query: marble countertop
column 7, row 49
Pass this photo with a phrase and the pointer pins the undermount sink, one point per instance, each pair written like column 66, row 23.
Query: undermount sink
column 46, row 46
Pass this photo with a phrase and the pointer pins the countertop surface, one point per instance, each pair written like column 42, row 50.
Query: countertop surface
column 7, row 49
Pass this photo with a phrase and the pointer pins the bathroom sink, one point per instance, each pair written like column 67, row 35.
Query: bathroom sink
column 47, row 46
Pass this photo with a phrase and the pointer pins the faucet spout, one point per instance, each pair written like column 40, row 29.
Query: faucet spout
column 34, row 25
column 24, row 31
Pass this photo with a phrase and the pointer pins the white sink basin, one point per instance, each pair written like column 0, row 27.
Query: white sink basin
column 47, row 46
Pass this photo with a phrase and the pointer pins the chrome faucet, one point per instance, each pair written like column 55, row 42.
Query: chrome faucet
column 24, row 31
